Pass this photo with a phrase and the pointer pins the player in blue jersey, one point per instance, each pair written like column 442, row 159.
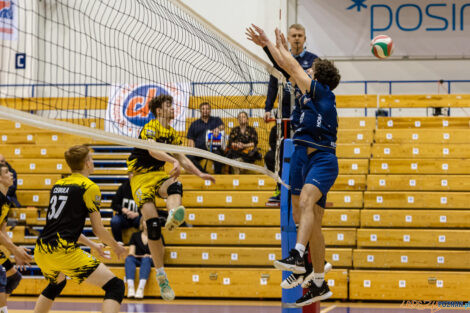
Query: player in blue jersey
column 317, row 133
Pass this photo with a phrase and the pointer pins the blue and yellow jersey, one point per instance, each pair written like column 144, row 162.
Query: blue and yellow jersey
column 140, row 161
column 72, row 199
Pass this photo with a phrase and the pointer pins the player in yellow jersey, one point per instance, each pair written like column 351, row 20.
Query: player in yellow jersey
column 21, row 255
column 57, row 253
column 151, row 181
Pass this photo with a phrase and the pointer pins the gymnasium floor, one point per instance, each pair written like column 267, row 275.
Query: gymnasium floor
column 92, row 305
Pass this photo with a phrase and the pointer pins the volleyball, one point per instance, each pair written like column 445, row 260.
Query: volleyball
column 382, row 46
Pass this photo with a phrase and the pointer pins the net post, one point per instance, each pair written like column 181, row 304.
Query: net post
column 288, row 231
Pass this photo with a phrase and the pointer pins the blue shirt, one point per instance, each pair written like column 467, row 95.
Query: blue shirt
column 305, row 60
column 318, row 123
column 197, row 130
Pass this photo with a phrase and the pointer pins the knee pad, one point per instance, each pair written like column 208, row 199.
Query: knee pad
column 53, row 290
column 12, row 282
column 175, row 189
column 114, row 290
column 154, row 228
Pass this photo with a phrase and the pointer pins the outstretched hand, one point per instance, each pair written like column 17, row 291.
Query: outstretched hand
column 205, row 176
column 281, row 41
column 257, row 35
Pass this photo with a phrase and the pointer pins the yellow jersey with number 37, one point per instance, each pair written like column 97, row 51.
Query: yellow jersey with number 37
column 72, row 199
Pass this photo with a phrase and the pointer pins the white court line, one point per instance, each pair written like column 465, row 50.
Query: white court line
column 328, row 309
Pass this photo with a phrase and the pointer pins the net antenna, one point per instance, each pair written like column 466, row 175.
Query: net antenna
column 93, row 66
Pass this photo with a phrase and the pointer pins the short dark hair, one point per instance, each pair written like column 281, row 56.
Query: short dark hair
column 325, row 72
column 157, row 102
column 2, row 166
column 76, row 157
column 203, row 104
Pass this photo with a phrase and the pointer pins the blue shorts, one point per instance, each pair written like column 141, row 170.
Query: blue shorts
column 297, row 161
column 321, row 170
column 3, row 279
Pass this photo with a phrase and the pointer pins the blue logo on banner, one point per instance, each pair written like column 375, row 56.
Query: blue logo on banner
column 20, row 60
column 359, row 4
column 450, row 16
column 135, row 106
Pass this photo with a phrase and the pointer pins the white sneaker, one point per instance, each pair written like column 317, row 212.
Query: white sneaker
column 130, row 293
column 165, row 290
column 175, row 218
column 139, row 293
column 292, row 281
column 308, row 280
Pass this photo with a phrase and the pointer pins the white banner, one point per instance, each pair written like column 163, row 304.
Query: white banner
column 344, row 28
column 8, row 20
column 128, row 111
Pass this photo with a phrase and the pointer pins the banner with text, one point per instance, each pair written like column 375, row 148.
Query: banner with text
column 344, row 28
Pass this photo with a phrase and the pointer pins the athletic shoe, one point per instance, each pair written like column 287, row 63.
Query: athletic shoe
column 309, row 277
column 165, row 290
column 139, row 294
column 276, row 198
column 314, row 294
column 130, row 293
column 294, row 263
column 292, row 281
column 175, row 218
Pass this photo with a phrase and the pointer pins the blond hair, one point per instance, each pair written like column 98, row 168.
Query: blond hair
column 76, row 156
column 298, row 27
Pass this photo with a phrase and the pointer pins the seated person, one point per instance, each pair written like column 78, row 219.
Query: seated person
column 197, row 135
column 139, row 255
column 243, row 141
column 127, row 215
column 11, row 194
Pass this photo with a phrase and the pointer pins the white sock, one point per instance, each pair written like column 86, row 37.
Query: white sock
column 3, row 309
column 130, row 284
column 318, row 278
column 301, row 248
column 160, row 271
column 142, row 283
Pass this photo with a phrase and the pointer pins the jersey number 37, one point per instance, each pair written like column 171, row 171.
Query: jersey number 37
column 53, row 212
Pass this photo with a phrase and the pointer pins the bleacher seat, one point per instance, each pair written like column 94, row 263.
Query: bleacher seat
column 423, row 122
column 213, row 282
column 416, row 200
column 415, row 218
column 418, row 182
column 398, row 285
column 419, row 151
column 419, row 166
column 415, row 238
column 416, row 259
column 421, row 136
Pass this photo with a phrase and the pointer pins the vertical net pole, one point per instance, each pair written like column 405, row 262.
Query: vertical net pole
column 288, row 231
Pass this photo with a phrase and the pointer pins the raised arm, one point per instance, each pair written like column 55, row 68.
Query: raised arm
column 289, row 63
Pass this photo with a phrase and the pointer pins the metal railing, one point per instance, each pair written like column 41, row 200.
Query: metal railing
column 366, row 84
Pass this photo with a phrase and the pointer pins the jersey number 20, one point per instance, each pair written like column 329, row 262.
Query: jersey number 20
column 53, row 214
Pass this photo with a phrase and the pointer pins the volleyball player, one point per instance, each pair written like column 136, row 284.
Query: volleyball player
column 317, row 132
column 298, row 159
column 8, row 284
column 151, row 181
column 57, row 253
